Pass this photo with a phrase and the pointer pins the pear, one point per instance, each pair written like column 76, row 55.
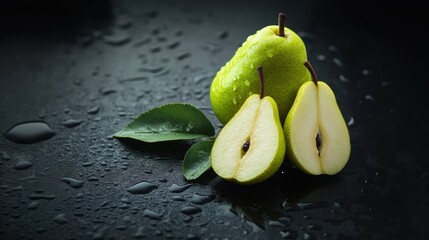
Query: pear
column 282, row 53
column 251, row 147
column 316, row 134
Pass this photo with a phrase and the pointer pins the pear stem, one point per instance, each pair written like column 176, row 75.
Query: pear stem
column 282, row 21
column 262, row 80
column 312, row 72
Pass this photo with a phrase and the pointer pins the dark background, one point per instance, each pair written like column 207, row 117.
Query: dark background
column 61, row 59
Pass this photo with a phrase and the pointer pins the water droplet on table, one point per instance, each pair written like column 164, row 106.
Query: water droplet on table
column 93, row 110
column 29, row 132
column 41, row 196
column 140, row 233
column 60, row 218
column 142, row 188
column 22, row 164
column 174, row 188
column 183, row 56
column 71, row 123
column 202, row 199
column 33, row 205
column 312, row 205
column 74, row 183
column 117, row 38
column 152, row 215
column 190, row 210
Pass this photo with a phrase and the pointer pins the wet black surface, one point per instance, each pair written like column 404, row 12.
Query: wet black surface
column 88, row 69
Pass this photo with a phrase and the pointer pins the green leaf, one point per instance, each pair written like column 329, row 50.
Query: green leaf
column 197, row 160
column 175, row 121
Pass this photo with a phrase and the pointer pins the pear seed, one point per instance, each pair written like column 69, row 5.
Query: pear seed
column 245, row 146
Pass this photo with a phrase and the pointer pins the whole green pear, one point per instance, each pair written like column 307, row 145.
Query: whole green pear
column 282, row 53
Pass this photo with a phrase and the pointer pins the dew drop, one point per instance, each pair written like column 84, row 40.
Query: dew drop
column 93, row 110
column 270, row 53
column 29, row 132
column 312, row 205
column 234, row 101
column 33, row 205
column 183, row 56
column 201, row 199
column 152, row 215
column 117, row 38
column 142, row 188
column 140, row 233
column 60, row 218
column 71, row 123
column 174, row 188
column 190, row 210
column 22, row 164
column 74, row 183
column 247, row 83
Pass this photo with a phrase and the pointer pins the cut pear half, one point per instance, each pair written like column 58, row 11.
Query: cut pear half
column 250, row 148
column 316, row 134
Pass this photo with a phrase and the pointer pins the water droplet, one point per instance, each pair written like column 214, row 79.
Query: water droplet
column 351, row 122
column 142, row 188
column 343, row 78
column 202, row 199
column 140, row 233
column 223, row 34
column 247, row 83
column 60, row 218
column 33, row 205
column 117, row 38
column 151, row 69
column 5, row 156
column 366, row 72
column 71, row 123
column 29, row 132
column 234, row 88
column 22, row 164
column 123, row 21
column 337, row 62
column 106, row 91
column 174, row 188
column 74, row 183
column 178, row 198
column 190, row 210
column 152, row 215
column 369, row 97
column 285, row 220
column 321, row 57
column 142, row 42
column 212, row 48
column 312, row 205
column 173, row 45
column 183, row 56
column 234, row 101
column 273, row 223
column 332, row 48
column 93, row 110
column 270, row 53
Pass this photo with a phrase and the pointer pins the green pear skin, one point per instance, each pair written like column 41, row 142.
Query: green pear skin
column 282, row 58
column 316, row 114
column 257, row 122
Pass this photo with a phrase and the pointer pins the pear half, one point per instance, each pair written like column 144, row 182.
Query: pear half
column 250, row 148
column 316, row 134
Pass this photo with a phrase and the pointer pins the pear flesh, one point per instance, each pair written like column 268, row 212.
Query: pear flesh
column 316, row 134
column 250, row 148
